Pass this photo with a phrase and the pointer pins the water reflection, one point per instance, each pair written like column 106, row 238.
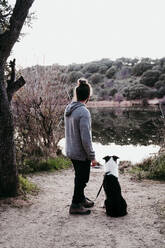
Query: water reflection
column 132, row 134
column 127, row 126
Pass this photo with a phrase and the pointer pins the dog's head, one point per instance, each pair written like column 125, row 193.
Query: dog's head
column 111, row 165
column 107, row 158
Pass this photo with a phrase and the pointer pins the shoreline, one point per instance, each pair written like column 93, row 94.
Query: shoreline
column 132, row 103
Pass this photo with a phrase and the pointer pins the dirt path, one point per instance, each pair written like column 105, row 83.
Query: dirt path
column 47, row 223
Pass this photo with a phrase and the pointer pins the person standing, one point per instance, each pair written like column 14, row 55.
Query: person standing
column 78, row 145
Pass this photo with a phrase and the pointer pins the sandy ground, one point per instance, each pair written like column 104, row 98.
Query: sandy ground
column 45, row 221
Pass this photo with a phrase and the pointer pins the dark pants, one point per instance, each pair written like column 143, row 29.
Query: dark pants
column 82, row 172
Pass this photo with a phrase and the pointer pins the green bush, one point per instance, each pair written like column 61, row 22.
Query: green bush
column 106, row 62
column 103, row 94
column 74, row 76
column 103, row 69
column 151, row 93
column 125, row 72
column 150, row 77
column 91, row 68
column 137, row 91
column 111, row 72
column 139, row 68
column 162, row 77
column 152, row 168
column 25, row 186
column 112, row 92
column 96, row 78
column 50, row 164
column 74, row 67
column 159, row 84
column 87, row 75
column 161, row 91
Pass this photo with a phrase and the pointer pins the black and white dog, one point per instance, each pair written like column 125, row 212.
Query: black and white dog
column 115, row 204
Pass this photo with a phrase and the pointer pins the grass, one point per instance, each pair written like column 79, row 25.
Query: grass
column 50, row 164
column 26, row 187
column 32, row 166
column 152, row 168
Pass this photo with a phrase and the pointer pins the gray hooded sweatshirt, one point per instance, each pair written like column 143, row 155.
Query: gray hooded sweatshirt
column 78, row 141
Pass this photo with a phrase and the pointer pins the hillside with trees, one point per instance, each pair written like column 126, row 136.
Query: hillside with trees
column 39, row 106
column 117, row 80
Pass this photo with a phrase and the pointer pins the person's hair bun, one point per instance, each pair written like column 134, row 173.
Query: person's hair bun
column 82, row 81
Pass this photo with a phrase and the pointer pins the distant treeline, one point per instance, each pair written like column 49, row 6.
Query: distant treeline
column 117, row 80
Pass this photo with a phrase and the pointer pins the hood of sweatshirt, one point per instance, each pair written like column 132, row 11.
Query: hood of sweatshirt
column 71, row 107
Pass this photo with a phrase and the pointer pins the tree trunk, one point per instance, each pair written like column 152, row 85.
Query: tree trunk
column 8, row 170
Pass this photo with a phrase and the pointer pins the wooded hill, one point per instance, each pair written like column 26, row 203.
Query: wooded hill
column 117, row 80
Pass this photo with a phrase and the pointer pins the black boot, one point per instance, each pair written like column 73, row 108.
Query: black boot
column 87, row 203
column 78, row 209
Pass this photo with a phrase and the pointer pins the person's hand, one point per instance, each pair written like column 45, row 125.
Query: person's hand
column 94, row 162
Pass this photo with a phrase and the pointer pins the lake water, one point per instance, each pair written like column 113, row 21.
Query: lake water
column 132, row 134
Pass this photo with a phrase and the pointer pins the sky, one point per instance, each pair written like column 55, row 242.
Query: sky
column 79, row 31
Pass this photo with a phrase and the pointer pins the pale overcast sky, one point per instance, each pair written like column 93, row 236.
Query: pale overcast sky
column 78, row 31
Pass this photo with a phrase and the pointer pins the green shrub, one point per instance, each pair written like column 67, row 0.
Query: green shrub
column 139, row 68
column 87, row 75
column 74, row 76
column 162, row 77
column 136, row 91
column 125, row 72
column 111, row 72
column 74, row 67
column 50, row 164
column 151, row 93
column 103, row 69
column 96, row 78
column 106, row 62
column 56, row 163
column 112, row 92
column 159, row 84
column 161, row 91
column 25, row 186
column 150, row 77
column 152, row 168
column 90, row 68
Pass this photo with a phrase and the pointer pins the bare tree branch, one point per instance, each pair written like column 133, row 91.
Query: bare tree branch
column 17, row 20
column 12, row 85
column 15, row 87
column 12, row 73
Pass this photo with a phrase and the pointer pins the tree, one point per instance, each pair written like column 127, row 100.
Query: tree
column 111, row 72
column 141, row 67
column 150, row 77
column 137, row 91
column 38, row 113
column 112, row 92
column 11, row 23
column 96, row 78
column 91, row 68
column 74, row 76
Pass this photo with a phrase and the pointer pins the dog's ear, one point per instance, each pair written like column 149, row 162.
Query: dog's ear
column 115, row 158
column 106, row 158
